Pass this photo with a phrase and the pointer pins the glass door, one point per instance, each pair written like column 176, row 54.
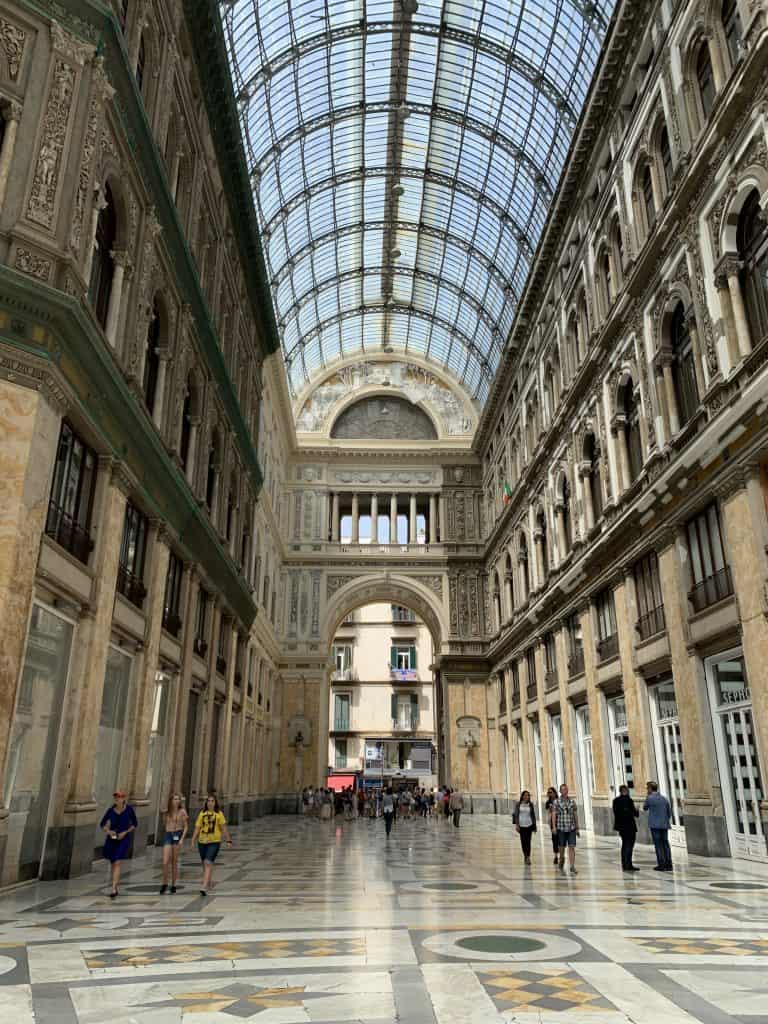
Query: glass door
column 621, row 753
column 586, row 764
column 559, row 749
column 670, row 763
column 156, row 755
column 109, row 743
column 34, row 742
column 737, row 754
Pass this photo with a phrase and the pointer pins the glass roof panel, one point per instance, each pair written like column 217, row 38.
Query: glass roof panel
column 403, row 157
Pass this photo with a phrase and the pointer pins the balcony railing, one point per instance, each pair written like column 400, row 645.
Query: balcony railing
column 403, row 615
column 171, row 622
column 651, row 623
column 62, row 528
column 341, row 723
column 576, row 662
column 130, row 586
column 532, row 691
column 340, row 761
column 608, row 647
column 343, row 675
column 403, row 675
column 550, row 679
column 406, row 724
column 711, row 590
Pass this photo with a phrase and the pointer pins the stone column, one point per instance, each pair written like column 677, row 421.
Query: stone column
column 355, row 520
column 524, row 578
column 178, row 156
column 29, row 432
column 226, row 746
column 743, row 338
column 600, row 750
column 115, row 297
column 393, row 519
column 99, row 203
column 570, row 754
column 335, row 520
column 412, row 521
column 669, row 390
column 698, row 355
column 162, row 369
column 726, row 308
column 744, row 524
column 541, row 574
column 194, row 430
column 433, row 519
column 158, row 554
column 442, row 519
column 374, row 518
column 509, row 594
column 210, row 699
column 11, row 115
column 586, row 489
column 705, row 827
column 661, row 399
column 635, row 695
column 618, row 431
column 192, row 589
column 562, row 537
column 71, row 841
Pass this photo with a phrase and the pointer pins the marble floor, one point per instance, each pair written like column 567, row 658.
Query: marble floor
column 331, row 923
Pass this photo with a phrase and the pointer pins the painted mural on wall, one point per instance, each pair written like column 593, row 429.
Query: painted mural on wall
column 411, row 382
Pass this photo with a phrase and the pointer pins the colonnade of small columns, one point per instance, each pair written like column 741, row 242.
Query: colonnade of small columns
column 359, row 506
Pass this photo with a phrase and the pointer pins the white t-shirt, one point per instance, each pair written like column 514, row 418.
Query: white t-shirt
column 524, row 816
column 387, row 803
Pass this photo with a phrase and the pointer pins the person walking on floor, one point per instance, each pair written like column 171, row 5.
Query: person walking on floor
column 176, row 825
column 388, row 809
column 524, row 819
column 551, row 797
column 210, row 827
column 447, row 803
column 456, row 805
column 564, row 817
column 624, row 815
column 659, row 820
column 118, row 822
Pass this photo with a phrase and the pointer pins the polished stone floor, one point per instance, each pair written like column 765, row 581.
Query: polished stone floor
column 330, row 923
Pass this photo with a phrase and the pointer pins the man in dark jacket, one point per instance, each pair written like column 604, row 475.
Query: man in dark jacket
column 624, row 815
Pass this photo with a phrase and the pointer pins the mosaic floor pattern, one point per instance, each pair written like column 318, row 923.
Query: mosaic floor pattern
column 331, row 923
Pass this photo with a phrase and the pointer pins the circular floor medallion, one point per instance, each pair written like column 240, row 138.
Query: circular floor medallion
column 740, row 886
column 501, row 946
column 449, row 886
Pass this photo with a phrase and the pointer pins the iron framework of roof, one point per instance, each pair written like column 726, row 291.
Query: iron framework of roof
column 403, row 156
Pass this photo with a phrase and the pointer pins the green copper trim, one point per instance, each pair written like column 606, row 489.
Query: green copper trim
column 53, row 326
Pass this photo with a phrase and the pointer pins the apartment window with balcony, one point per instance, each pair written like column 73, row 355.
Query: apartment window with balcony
column 575, row 645
column 402, row 661
column 550, row 662
column 401, row 614
column 74, row 481
column 683, row 366
column 341, row 706
column 514, row 678
column 133, row 551
column 201, row 623
column 342, row 658
column 405, row 711
column 711, row 574
column 172, row 599
column 340, row 755
column 650, row 605
column 607, row 631
column 530, row 661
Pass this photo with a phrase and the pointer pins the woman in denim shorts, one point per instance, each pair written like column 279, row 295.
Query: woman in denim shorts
column 210, row 826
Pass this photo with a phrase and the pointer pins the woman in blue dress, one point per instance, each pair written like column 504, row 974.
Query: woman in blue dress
column 118, row 822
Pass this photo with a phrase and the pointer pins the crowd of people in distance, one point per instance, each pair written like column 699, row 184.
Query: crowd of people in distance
column 380, row 802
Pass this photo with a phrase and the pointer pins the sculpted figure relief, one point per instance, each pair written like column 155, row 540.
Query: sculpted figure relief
column 384, row 419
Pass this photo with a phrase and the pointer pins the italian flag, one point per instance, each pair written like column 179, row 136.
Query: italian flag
column 506, row 494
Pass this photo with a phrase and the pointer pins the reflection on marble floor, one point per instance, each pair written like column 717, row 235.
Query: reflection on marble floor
column 311, row 922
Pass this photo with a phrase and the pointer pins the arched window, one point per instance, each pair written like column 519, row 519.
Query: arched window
column 102, row 265
column 141, row 64
column 152, row 359
column 541, row 524
column 592, row 456
column 573, row 344
column 230, row 512
column 190, row 402
column 525, row 572
column 683, row 366
column 605, row 266
column 705, row 79
column 752, row 244
column 617, row 245
column 551, row 389
column 213, row 462
column 565, row 512
column 649, row 205
column 731, row 19
column 497, row 601
column 631, row 410
column 509, row 579
column 666, row 158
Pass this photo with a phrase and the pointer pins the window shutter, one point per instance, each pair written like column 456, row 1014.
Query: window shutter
column 413, row 657
column 393, row 657
column 393, row 705
column 414, row 711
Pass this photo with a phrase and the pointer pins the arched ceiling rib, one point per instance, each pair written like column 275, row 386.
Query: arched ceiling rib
column 403, row 158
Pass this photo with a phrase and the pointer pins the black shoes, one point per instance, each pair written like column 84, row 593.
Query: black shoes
column 163, row 889
column 173, row 889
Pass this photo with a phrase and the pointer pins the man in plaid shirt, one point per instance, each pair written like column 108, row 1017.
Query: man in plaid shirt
column 564, row 820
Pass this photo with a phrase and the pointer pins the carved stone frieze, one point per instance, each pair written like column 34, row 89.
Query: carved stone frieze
column 334, row 583
column 70, row 46
column 434, row 583
column 41, row 204
column 385, row 477
column 12, row 40
column 36, row 266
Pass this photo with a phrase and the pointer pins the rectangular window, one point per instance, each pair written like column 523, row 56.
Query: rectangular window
column 514, row 678
column 340, row 760
column 550, row 662
column 342, row 656
column 341, row 708
column 172, row 600
column 530, row 662
column 650, row 605
column 607, row 631
column 221, row 654
column 133, row 551
column 711, row 575
column 402, row 658
column 405, row 711
column 401, row 614
column 74, row 481
column 201, row 623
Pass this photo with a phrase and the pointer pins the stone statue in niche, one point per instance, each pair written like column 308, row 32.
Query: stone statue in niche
column 384, row 419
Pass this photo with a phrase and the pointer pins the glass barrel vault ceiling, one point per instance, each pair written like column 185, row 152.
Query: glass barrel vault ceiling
column 403, row 158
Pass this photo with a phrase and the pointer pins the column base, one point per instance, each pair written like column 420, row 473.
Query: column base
column 480, row 803
column 707, row 835
column 286, row 803
column 70, row 850
column 602, row 820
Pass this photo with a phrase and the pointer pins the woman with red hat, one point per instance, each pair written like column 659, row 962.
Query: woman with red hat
column 118, row 822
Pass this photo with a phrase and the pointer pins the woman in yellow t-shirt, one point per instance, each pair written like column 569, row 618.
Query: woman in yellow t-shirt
column 210, row 826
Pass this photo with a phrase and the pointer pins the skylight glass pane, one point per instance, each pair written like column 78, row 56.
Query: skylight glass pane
column 402, row 198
